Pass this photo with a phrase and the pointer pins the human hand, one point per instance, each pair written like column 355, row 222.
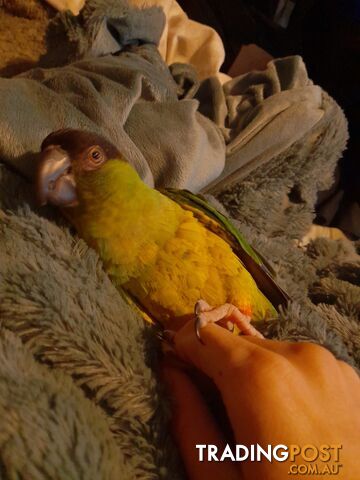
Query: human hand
column 274, row 393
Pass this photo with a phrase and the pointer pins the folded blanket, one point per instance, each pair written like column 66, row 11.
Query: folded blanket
column 261, row 114
column 182, row 40
column 125, row 98
column 132, row 98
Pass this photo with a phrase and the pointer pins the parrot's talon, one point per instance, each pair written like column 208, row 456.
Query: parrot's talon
column 226, row 315
column 197, row 329
column 200, row 307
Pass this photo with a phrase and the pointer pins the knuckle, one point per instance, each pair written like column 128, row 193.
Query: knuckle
column 269, row 366
column 248, row 364
column 314, row 350
column 313, row 356
column 277, row 368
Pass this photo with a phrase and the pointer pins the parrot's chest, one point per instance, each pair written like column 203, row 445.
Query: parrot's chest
column 169, row 262
column 193, row 264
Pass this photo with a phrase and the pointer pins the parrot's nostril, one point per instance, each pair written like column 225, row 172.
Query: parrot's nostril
column 51, row 185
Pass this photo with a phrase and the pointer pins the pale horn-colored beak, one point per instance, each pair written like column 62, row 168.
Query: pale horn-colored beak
column 55, row 182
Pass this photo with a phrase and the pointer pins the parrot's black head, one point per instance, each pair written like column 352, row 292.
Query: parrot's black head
column 64, row 153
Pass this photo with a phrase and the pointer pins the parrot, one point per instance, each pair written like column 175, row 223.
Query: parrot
column 172, row 253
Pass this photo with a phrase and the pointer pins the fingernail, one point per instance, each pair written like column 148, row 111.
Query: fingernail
column 230, row 326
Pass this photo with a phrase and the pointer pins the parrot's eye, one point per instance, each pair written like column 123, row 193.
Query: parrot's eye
column 96, row 157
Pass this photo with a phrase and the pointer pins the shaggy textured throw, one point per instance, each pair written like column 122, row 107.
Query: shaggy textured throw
column 79, row 391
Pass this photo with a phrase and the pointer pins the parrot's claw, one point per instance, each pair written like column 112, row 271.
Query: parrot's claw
column 200, row 307
column 226, row 314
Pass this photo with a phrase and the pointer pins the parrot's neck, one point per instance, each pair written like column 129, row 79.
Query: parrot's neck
column 115, row 180
column 125, row 220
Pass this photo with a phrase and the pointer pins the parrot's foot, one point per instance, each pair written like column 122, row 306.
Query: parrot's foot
column 226, row 314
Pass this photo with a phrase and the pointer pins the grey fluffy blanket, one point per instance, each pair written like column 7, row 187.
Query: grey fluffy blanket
column 79, row 391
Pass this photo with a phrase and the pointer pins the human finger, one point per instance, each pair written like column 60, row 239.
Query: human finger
column 220, row 350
